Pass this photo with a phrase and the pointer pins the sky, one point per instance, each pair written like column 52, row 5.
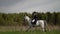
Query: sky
column 17, row 6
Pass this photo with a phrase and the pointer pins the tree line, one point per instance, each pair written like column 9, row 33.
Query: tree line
column 13, row 19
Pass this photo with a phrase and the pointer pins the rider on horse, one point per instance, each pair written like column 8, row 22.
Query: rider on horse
column 34, row 18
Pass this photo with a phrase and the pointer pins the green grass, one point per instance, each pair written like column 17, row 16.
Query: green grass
column 32, row 32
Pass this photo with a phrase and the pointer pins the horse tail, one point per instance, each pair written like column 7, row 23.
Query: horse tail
column 46, row 25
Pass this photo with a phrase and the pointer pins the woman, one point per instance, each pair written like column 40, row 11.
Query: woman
column 34, row 18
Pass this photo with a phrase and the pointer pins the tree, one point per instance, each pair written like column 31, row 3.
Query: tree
column 48, row 17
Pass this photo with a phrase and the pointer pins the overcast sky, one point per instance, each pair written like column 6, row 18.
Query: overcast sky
column 16, row 6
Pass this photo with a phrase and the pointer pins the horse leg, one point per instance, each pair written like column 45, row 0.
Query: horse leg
column 28, row 28
column 47, row 27
column 43, row 27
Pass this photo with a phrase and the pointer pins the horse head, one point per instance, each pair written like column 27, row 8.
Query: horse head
column 27, row 18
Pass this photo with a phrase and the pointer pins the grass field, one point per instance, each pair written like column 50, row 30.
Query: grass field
column 31, row 32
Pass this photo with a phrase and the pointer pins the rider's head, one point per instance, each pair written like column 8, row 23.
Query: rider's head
column 34, row 13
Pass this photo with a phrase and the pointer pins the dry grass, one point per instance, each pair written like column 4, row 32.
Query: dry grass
column 23, row 28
